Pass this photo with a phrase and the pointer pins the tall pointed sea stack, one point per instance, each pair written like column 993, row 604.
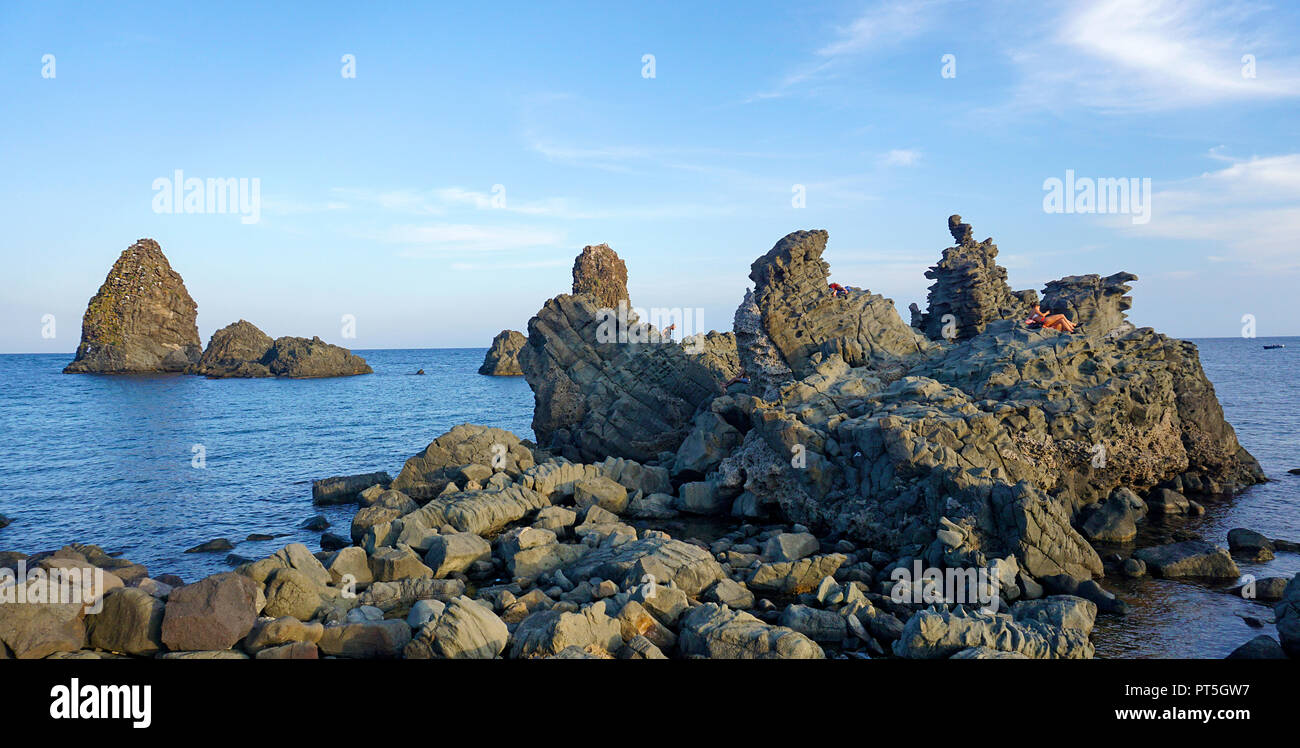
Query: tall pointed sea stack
column 142, row 319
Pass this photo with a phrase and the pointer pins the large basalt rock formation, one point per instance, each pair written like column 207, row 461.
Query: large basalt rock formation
column 606, row 384
column 1005, row 434
column 600, row 273
column 801, row 317
column 1095, row 302
column 970, row 289
column 141, row 320
column 241, row 350
column 502, row 359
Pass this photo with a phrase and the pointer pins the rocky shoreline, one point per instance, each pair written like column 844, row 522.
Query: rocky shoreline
column 955, row 487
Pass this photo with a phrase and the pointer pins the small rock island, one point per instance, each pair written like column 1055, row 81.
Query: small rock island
column 143, row 321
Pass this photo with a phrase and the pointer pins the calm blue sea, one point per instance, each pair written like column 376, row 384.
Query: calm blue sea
column 108, row 460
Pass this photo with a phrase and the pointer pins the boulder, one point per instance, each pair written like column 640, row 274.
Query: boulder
column 664, row 560
column 1250, row 545
column 390, row 564
column 931, row 634
column 455, row 552
column 1167, row 501
column 468, row 630
column 703, row 497
column 370, row 640
column 425, row 475
column 550, row 631
column 210, row 614
column 717, row 632
column 602, row 491
column 790, row 546
column 710, row 440
column 1115, row 520
column 816, row 624
column 1287, row 614
column 130, row 622
column 32, row 630
column 1190, row 558
column 344, row 489
column 142, row 320
column 292, row 593
column 275, row 632
column 1262, row 647
column 795, row 577
column 502, row 359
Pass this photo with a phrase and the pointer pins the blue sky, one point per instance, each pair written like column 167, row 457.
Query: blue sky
column 376, row 191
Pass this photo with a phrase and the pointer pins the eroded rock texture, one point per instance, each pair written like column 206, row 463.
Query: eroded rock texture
column 242, row 350
column 1004, row 433
column 600, row 273
column 606, row 384
column 141, row 320
column 502, row 359
column 970, row 289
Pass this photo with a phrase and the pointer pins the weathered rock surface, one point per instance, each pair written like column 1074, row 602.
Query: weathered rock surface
column 502, row 359
column 241, row 350
column 970, row 289
column 141, row 320
column 932, row 634
column 715, row 631
column 600, row 273
column 1190, row 558
column 425, row 475
column 1287, row 615
column 130, row 622
column 210, row 614
column 607, row 384
column 1005, row 432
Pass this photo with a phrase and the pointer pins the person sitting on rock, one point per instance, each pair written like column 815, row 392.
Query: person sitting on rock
column 838, row 290
column 1044, row 318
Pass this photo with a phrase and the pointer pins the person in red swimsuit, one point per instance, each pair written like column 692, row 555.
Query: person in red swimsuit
column 838, row 290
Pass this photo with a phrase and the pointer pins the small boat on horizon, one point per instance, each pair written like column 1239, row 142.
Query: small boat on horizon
column 1274, row 345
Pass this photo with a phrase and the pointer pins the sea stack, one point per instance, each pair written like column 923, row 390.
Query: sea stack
column 142, row 320
column 241, row 350
column 600, row 273
column 502, row 359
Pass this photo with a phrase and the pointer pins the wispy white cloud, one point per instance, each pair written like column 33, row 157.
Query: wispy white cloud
column 901, row 157
column 1250, row 207
column 1150, row 55
column 881, row 25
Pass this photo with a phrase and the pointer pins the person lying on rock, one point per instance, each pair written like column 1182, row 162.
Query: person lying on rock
column 838, row 290
column 1045, row 318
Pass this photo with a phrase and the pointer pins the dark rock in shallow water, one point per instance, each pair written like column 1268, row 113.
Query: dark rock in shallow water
column 1262, row 647
column 142, row 320
column 241, row 350
column 1190, row 558
column 1250, row 545
column 343, row 489
column 316, row 524
column 212, row 546
column 331, row 542
column 502, row 358
column 4, row 521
